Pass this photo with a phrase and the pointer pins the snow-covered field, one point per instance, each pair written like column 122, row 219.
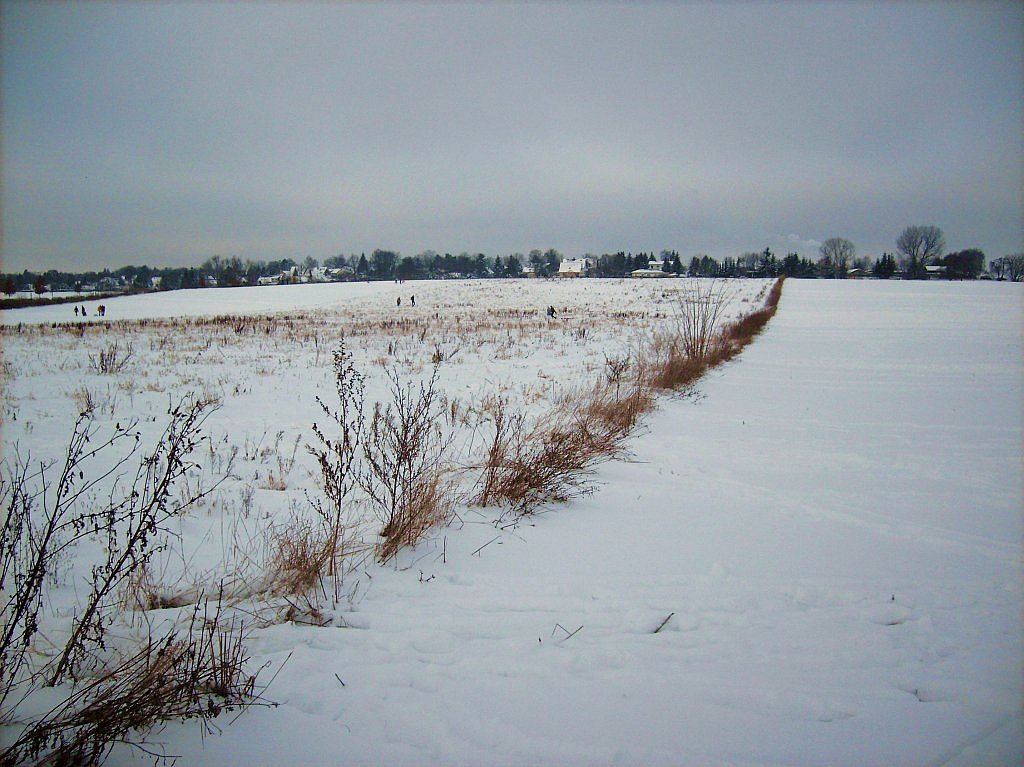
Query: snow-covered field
column 831, row 524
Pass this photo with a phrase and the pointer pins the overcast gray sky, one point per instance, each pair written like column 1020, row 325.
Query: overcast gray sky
column 164, row 133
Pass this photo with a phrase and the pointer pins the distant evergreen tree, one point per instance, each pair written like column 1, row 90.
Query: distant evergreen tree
column 767, row 264
column 790, row 265
column 885, row 266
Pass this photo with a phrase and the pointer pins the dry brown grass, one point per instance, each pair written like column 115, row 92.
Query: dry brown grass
column 549, row 462
column 305, row 548
column 144, row 592
column 273, row 482
column 431, row 503
column 678, row 360
column 616, row 407
column 194, row 673
column 525, row 468
column 300, row 552
column 743, row 331
column 672, row 369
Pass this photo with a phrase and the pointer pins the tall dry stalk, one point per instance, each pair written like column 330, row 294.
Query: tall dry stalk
column 337, row 456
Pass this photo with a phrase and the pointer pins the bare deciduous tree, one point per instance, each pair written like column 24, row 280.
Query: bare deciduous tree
column 920, row 244
column 1014, row 266
column 836, row 255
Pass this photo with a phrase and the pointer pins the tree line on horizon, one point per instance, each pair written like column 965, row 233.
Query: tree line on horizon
column 919, row 253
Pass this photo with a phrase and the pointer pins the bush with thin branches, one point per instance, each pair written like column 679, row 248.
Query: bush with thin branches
column 430, row 503
column 113, row 359
column 45, row 521
column 699, row 314
column 194, row 672
column 406, row 470
column 337, row 456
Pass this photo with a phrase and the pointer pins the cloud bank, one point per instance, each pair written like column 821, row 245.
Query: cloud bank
column 166, row 133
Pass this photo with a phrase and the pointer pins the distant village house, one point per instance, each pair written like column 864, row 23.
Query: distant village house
column 577, row 267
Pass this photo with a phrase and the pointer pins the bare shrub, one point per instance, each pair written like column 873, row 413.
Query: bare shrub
column 674, row 369
column 307, row 548
column 44, row 522
column 196, row 672
column 405, row 446
column 699, row 312
column 616, row 409
column 680, row 357
column 616, row 368
column 84, row 399
column 505, row 442
column 113, row 359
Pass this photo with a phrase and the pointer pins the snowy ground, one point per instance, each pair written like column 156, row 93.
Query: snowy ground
column 833, row 523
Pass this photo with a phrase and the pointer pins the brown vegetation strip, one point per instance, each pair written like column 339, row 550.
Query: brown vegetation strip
column 548, row 463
